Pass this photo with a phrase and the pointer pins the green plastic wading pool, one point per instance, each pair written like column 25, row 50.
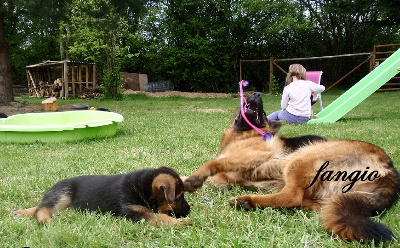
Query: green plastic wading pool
column 59, row 126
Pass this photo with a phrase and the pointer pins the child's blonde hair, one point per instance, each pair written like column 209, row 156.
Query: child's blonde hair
column 295, row 70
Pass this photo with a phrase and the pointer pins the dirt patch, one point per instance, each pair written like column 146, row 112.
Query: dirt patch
column 179, row 93
column 210, row 110
column 13, row 108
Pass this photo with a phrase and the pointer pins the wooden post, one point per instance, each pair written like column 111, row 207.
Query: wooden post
column 271, row 73
column 94, row 76
column 72, row 67
column 87, row 76
column 373, row 59
column 240, row 70
column 80, row 78
column 65, row 80
column 272, row 63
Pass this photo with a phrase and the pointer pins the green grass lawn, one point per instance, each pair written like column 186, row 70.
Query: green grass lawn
column 181, row 133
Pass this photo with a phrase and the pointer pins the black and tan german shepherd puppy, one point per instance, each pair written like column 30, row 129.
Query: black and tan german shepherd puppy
column 155, row 195
column 348, row 181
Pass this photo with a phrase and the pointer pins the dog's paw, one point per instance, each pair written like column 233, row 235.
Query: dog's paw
column 184, row 221
column 161, row 220
column 19, row 213
column 241, row 202
column 193, row 182
column 25, row 212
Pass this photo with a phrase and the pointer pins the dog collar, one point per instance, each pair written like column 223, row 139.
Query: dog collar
column 266, row 136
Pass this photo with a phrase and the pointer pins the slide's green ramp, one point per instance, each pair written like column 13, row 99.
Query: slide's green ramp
column 360, row 91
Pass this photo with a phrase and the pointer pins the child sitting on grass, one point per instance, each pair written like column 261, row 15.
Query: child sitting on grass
column 296, row 102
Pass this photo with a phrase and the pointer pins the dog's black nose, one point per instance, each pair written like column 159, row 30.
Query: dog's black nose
column 257, row 94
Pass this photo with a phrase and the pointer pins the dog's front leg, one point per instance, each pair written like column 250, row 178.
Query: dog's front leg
column 237, row 162
column 138, row 212
column 197, row 179
column 160, row 220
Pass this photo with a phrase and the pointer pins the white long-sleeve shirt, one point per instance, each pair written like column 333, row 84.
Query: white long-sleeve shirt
column 296, row 97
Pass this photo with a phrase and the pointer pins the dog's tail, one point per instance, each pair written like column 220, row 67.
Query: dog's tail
column 348, row 215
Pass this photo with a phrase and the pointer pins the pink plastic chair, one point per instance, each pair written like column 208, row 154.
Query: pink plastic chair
column 315, row 76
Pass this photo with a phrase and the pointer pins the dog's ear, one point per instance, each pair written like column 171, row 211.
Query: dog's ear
column 237, row 116
column 275, row 126
column 166, row 184
column 237, row 113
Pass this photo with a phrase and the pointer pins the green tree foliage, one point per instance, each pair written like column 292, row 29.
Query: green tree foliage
column 95, row 28
column 99, row 31
column 347, row 26
column 272, row 29
column 202, row 41
column 187, row 41
column 201, row 38
column 5, row 72
column 195, row 43
column 30, row 32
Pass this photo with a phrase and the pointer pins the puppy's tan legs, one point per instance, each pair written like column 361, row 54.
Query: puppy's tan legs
column 25, row 212
column 160, row 220
column 42, row 213
column 156, row 219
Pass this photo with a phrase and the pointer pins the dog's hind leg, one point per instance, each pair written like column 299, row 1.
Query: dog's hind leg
column 45, row 210
column 289, row 197
column 49, row 206
column 25, row 212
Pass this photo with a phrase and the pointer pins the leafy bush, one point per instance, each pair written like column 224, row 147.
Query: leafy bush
column 112, row 84
column 276, row 88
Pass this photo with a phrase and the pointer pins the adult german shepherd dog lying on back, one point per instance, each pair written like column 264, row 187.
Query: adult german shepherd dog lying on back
column 348, row 181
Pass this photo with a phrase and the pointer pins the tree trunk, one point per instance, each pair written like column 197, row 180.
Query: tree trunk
column 6, row 83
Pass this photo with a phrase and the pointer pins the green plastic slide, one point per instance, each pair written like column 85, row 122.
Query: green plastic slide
column 360, row 91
